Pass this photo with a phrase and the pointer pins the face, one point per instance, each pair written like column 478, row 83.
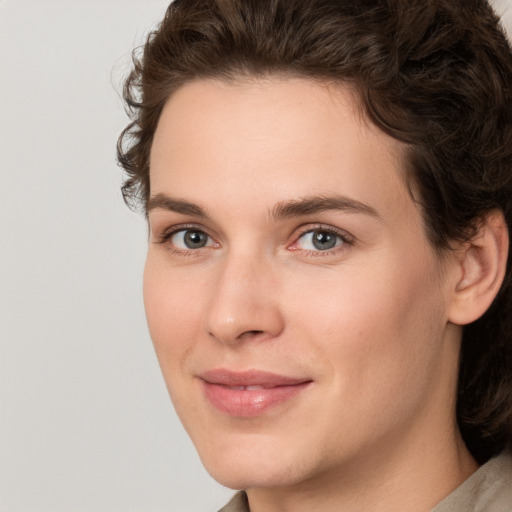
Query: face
column 296, row 307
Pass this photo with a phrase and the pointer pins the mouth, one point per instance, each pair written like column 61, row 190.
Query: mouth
column 251, row 393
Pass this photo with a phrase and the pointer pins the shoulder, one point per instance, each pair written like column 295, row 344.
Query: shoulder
column 488, row 490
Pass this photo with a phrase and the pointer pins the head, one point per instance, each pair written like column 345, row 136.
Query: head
column 430, row 84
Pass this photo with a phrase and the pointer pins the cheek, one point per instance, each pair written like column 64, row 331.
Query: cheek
column 172, row 305
column 381, row 325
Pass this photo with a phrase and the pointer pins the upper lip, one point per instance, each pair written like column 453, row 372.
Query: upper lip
column 230, row 378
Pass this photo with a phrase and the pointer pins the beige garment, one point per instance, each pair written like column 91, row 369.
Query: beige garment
column 238, row 503
column 489, row 489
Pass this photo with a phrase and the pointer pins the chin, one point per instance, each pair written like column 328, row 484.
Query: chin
column 248, row 475
column 243, row 468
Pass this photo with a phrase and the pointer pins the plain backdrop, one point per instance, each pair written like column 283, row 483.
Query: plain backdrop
column 85, row 421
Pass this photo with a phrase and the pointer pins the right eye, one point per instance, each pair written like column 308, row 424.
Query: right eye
column 190, row 238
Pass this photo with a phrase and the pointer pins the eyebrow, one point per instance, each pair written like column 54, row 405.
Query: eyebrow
column 174, row 205
column 284, row 210
column 316, row 204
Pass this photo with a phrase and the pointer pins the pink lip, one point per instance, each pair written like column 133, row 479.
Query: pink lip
column 227, row 390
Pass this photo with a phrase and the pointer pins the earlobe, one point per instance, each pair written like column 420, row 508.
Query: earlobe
column 482, row 262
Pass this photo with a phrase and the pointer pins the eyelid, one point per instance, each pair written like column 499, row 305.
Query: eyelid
column 347, row 239
column 166, row 234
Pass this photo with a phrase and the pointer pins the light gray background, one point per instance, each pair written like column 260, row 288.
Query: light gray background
column 85, row 421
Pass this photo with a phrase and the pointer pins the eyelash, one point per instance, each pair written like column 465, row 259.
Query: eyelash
column 166, row 236
column 346, row 240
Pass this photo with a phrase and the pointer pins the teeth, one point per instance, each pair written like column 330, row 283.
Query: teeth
column 245, row 388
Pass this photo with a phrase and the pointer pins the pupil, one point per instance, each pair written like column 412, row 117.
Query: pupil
column 195, row 239
column 323, row 240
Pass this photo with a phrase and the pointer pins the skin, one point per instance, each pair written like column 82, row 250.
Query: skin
column 368, row 322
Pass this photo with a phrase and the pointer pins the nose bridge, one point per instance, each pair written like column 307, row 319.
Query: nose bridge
column 244, row 303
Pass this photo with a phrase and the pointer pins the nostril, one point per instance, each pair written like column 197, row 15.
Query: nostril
column 251, row 333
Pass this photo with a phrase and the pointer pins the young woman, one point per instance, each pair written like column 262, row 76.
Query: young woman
column 328, row 188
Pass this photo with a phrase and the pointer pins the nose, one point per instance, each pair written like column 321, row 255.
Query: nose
column 244, row 303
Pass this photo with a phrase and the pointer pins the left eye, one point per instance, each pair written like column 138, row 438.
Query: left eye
column 319, row 240
column 190, row 239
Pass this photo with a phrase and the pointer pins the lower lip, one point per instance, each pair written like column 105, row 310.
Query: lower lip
column 248, row 403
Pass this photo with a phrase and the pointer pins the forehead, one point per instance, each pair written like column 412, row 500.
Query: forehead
column 270, row 139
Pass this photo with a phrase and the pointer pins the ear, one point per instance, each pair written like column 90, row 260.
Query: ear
column 482, row 265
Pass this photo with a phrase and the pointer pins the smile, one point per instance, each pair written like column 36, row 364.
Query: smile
column 249, row 394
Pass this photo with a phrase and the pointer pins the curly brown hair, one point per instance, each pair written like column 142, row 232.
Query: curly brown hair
column 435, row 74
